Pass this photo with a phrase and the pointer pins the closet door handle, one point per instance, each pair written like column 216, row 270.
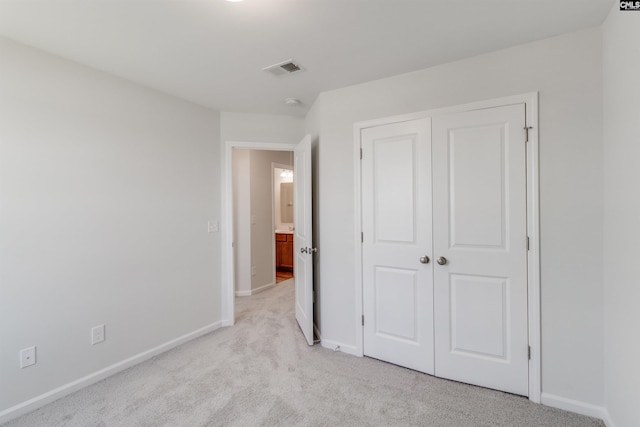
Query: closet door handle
column 303, row 250
column 424, row 259
column 441, row 260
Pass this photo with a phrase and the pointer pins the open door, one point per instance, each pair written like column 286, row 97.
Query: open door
column 303, row 239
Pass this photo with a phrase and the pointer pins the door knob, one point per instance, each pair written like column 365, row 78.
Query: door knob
column 303, row 250
column 442, row 260
column 424, row 259
column 312, row 250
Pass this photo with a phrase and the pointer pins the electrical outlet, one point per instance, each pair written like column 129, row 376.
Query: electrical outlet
column 212, row 226
column 253, row 270
column 97, row 334
column 27, row 357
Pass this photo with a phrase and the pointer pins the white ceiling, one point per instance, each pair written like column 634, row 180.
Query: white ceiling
column 211, row 51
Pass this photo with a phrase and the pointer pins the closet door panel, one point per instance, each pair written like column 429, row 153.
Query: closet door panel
column 396, row 203
column 479, row 217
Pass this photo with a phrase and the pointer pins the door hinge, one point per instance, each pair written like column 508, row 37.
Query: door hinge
column 361, row 154
column 313, row 297
column 528, row 243
column 526, row 129
column 362, row 237
column 529, row 354
column 363, row 320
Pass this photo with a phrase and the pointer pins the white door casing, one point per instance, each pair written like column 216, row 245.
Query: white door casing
column 480, row 228
column 397, row 286
column 303, row 238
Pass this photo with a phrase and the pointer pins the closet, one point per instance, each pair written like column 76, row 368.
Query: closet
column 444, row 247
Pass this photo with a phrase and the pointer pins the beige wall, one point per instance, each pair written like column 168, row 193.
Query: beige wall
column 242, row 220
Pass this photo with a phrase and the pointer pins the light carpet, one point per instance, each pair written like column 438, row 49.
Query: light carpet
column 262, row 373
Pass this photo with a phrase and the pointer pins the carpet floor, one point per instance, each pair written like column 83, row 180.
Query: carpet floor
column 262, row 373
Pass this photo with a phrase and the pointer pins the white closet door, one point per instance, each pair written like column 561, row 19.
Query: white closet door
column 479, row 223
column 396, row 204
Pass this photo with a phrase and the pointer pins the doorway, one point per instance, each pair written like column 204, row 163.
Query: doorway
column 449, row 254
column 258, row 220
column 302, row 230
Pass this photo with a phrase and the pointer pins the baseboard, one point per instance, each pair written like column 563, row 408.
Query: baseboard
column 577, row 407
column 337, row 346
column 256, row 290
column 607, row 418
column 317, row 332
column 263, row 288
column 57, row 393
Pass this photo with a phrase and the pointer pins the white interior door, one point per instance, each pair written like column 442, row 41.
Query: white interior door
column 396, row 205
column 479, row 223
column 303, row 238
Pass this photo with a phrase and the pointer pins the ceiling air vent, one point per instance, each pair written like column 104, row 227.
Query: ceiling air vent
column 283, row 68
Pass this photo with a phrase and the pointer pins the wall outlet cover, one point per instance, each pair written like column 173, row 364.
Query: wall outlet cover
column 27, row 357
column 97, row 334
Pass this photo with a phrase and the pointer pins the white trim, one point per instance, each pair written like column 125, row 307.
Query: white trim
column 478, row 105
column 576, row 406
column 533, row 261
column 606, row 417
column 338, row 346
column 64, row 390
column 227, row 262
column 533, row 223
column 256, row 290
column 357, row 209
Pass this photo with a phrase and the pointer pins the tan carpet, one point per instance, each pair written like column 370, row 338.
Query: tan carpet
column 261, row 373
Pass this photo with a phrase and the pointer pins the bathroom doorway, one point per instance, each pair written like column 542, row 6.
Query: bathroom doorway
column 283, row 220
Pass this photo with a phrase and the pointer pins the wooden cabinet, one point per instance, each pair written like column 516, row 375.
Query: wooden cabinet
column 284, row 251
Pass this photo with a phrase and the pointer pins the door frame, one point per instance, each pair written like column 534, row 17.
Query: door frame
column 533, row 219
column 228, row 282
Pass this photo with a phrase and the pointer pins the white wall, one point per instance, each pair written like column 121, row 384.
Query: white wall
column 244, row 127
column 242, row 223
column 105, row 192
column 567, row 72
column 621, row 33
